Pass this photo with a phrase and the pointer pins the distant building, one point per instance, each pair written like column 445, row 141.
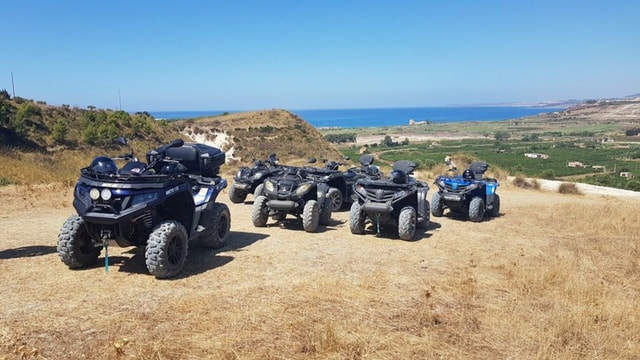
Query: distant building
column 599, row 167
column 626, row 174
column 575, row 164
column 536, row 156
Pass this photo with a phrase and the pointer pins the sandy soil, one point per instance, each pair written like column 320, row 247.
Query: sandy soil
column 253, row 297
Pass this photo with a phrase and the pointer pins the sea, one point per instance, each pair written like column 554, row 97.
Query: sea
column 378, row 117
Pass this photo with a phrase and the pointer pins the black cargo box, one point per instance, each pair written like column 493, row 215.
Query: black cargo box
column 200, row 159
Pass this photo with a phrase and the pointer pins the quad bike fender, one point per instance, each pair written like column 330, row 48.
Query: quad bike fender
column 490, row 192
column 490, row 188
column 323, row 189
column 423, row 203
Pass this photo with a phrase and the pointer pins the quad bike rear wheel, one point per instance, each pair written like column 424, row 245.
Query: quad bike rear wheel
column 237, row 196
column 495, row 210
column 217, row 221
column 356, row 219
column 75, row 248
column 476, row 209
column 260, row 212
column 311, row 216
column 167, row 249
column 336, row 199
column 407, row 223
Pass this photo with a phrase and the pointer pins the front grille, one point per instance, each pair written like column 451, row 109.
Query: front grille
column 379, row 195
column 451, row 188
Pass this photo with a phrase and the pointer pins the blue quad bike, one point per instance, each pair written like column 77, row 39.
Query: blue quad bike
column 159, row 206
column 249, row 180
column 294, row 192
column 399, row 200
column 467, row 194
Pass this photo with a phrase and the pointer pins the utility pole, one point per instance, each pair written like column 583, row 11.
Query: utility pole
column 13, row 87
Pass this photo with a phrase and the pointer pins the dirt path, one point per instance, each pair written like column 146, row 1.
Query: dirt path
column 275, row 292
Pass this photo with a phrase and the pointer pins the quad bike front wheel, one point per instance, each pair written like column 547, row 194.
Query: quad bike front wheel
column 476, row 209
column 311, row 216
column 437, row 208
column 356, row 219
column 75, row 248
column 237, row 196
column 166, row 249
column 216, row 221
column 260, row 212
column 407, row 223
column 259, row 191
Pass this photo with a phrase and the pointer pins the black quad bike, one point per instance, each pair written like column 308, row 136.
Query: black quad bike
column 250, row 179
column 293, row 192
column 469, row 193
column 160, row 206
column 366, row 170
column 400, row 200
column 339, row 190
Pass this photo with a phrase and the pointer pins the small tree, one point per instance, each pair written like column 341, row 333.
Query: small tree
column 387, row 141
column 501, row 135
column 59, row 132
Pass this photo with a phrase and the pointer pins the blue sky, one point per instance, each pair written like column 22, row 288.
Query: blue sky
column 247, row 55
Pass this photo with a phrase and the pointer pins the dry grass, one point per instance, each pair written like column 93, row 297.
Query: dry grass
column 551, row 278
column 523, row 183
column 569, row 188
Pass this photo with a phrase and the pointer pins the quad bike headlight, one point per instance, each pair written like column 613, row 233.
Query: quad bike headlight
column 257, row 176
column 399, row 194
column 105, row 194
column 94, row 194
column 269, row 186
column 303, row 188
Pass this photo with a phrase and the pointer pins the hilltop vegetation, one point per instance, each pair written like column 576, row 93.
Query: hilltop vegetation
column 40, row 143
column 34, row 125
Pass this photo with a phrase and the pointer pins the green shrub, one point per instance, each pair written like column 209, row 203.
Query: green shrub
column 4, row 181
column 548, row 174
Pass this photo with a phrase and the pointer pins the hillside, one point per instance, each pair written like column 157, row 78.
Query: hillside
column 40, row 143
column 259, row 133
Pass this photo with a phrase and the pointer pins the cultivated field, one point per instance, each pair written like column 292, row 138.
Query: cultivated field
column 554, row 277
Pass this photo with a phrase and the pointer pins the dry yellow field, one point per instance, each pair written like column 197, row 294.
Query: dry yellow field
column 554, row 277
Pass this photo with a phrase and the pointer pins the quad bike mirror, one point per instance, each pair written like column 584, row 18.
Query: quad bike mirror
column 312, row 160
